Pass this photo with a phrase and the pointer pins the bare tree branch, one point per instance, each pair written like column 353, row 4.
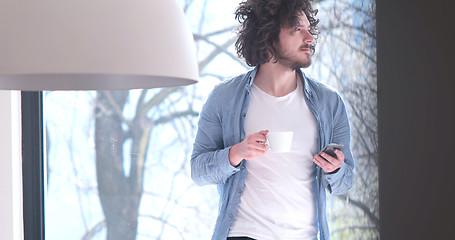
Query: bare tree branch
column 91, row 232
column 116, row 108
column 214, row 33
column 158, row 98
column 220, row 49
column 352, row 228
column 355, row 48
column 165, row 223
column 373, row 218
column 140, row 103
column 187, row 5
column 214, row 53
column 148, row 123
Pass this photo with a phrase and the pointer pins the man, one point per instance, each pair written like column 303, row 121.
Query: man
column 263, row 194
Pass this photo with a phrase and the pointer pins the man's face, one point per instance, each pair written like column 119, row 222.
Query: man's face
column 293, row 46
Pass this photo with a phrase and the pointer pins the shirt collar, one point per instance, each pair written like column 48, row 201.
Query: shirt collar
column 306, row 86
column 251, row 75
column 307, row 89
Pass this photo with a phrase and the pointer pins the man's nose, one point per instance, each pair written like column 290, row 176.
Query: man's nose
column 308, row 38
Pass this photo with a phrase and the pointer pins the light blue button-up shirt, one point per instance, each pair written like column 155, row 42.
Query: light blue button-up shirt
column 220, row 127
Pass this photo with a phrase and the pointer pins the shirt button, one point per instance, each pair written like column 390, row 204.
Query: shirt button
column 239, row 191
column 243, row 114
column 243, row 167
column 230, row 215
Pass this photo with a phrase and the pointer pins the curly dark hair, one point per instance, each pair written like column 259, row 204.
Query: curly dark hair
column 260, row 24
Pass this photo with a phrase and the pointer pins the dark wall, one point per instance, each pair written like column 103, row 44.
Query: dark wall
column 416, row 109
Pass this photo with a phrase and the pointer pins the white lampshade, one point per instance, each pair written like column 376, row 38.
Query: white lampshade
column 94, row 45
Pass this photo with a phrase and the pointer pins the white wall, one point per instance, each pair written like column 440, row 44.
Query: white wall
column 10, row 166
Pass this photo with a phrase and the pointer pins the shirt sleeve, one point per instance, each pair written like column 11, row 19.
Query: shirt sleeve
column 210, row 158
column 341, row 181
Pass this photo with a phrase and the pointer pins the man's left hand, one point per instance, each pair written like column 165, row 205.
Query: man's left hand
column 328, row 163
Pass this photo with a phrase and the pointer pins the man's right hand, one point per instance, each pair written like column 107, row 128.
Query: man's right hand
column 253, row 146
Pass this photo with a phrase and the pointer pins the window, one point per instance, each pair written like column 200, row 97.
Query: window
column 117, row 163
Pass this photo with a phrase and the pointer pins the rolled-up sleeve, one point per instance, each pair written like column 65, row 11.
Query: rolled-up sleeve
column 341, row 181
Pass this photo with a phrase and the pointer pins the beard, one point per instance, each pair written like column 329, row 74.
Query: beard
column 295, row 60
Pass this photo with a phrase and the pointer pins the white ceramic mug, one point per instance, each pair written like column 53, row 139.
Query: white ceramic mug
column 280, row 141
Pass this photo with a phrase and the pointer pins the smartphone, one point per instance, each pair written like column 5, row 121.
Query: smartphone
column 330, row 149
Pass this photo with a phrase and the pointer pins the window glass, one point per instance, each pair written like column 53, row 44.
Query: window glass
column 117, row 162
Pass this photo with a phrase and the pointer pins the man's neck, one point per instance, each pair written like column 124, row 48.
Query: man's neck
column 275, row 79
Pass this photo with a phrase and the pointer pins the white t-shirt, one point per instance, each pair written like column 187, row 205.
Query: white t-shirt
column 278, row 199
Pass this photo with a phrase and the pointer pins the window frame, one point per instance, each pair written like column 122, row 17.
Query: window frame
column 32, row 165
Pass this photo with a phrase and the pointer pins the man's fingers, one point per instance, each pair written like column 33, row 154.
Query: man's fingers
column 258, row 146
column 261, row 135
column 263, row 132
column 328, row 158
column 334, row 160
column 320, row 161
column 327, row 162
column 257, row 137
column 340, row 155
column 254, row 145
column 256, row 152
